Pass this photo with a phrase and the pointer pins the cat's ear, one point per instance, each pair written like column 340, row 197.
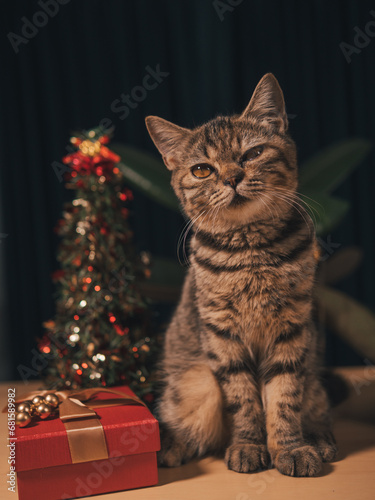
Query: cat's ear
column 267, row 103
column 168, row 138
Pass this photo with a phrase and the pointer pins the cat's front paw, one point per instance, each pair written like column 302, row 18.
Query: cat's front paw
column 299, row 462
column 328, row 451
column 245, row 457
column 325, row 445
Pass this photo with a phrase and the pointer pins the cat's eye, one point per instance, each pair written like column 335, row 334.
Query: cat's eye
column 252, row 153
column 201, row 171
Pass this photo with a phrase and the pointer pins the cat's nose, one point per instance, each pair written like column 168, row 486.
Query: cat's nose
column 233, row 180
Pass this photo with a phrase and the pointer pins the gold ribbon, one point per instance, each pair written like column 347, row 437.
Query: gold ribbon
column 85, row 433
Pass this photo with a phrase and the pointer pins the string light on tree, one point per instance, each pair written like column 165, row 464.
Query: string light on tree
column 99, row 332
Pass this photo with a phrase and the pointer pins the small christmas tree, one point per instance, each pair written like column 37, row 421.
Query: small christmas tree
column 98, row 337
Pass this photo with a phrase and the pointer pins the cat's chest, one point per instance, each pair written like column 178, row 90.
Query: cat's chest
column 246, row 289
column 244, row 302
column 245, row 286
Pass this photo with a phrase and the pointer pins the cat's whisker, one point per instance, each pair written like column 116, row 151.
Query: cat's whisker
column 287, row 194
column 302, row 211
column 181, row 239
column 267, row 208
column 314, row 211
column 220, row 200
column 276, row 207
column 183, row 236
column 309, row 211
column 186, row 260
column 287, row 199
column 293, row 199
column 297, row 196
column 311, row 199
column 205, row 217
column 216, row 213
column 273, row 205
column 206, row 213
column 293, row 203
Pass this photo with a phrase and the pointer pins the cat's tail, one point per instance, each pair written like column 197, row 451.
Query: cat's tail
column 336, row 386
column 197, row 411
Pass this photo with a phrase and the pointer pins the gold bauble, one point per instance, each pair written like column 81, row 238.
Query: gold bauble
column 26, row 406
column 23, row 419
column 90, row 349
column 37, row 400
column 52, row 400
column 43, row 410
column 90, row 148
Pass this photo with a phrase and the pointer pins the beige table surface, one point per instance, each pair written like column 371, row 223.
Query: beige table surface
column 352, row 476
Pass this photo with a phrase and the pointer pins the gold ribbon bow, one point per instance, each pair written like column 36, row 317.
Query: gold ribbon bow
column 85, row 433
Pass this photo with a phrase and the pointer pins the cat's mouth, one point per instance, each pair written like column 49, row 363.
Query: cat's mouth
column 238, row 200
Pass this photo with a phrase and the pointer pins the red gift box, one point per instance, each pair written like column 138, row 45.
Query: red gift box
column 44, row 463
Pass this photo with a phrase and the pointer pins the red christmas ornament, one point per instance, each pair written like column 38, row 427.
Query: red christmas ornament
column 92, row 156
column 129, row 194
column 121, row 331
column 56, row 275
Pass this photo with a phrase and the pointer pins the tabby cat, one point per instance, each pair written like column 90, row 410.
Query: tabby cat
column 240, row 367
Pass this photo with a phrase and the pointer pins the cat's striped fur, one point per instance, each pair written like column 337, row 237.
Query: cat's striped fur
column 240, row 366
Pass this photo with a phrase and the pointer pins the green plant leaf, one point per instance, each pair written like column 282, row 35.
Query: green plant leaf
column 350, row 320
column 340, row 264
column 147, row 174
column 327, row 169
column 326, row 211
